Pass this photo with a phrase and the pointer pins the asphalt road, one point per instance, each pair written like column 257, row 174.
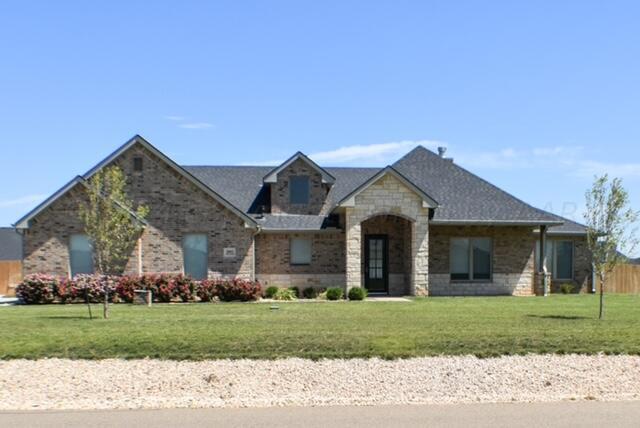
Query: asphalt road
column 565, row 414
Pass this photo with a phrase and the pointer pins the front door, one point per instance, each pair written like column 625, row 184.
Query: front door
column 375, row 263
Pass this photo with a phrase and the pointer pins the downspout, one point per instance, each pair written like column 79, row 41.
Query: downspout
column 253, row 262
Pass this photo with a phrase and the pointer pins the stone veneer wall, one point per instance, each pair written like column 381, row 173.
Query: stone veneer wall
column 513, row 261
column 280, row 190
column 327, row 267
column 389, row 196
column 177, row 207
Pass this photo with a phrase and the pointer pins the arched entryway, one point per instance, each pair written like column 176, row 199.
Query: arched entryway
column 386, row 248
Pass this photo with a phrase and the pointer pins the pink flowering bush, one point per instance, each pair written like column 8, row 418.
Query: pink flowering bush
column 127, row 284
column 66, row 290
column 37, row 289
column 184, row 287
column 92, row 287
column 165, row 287
column 238, row 289
column 206, row 290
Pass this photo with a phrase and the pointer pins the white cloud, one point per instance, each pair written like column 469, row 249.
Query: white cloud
column 371, row 153
column 378, row 154
column 588, row 168
column 511, row 158
column 24, row 200
column 196, row 125
column 569, row 159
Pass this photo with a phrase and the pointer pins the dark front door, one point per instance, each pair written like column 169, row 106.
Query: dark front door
column 376, row 263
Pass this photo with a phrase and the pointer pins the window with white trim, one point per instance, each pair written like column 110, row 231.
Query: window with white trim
column 470, row 259
column 196, row 255
column 559, row 257
column 80, row 254
column 300, row 251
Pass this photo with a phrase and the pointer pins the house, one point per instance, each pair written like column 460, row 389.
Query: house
column 422, row 226
column 10, row 259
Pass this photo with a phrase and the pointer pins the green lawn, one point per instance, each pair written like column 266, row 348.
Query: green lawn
column 433, row 326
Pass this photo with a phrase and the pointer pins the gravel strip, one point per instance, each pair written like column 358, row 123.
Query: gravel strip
column 116, row 384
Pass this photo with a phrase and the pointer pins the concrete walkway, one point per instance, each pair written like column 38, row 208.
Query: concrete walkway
column 564, row 414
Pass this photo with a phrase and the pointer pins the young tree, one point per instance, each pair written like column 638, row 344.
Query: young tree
column 610, row 231
column 111, row 222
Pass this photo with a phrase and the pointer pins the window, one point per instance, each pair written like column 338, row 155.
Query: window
column 559, row 255
column 137, row 164
column 470, row 259
column 80, row 255
column 299, row 189
column 300, row 251
column 194, row 250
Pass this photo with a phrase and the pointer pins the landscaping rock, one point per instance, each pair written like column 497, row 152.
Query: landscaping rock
column 113, row 384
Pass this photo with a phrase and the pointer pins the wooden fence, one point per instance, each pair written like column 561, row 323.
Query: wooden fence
column 10, row 276
column 624, row 279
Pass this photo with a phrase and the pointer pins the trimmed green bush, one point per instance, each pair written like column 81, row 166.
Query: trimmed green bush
column 285, row 294
column 357, row 293
column 270, row 292
column 310, row 293
column 567, row 288
column 296, row 291
column 334, row 293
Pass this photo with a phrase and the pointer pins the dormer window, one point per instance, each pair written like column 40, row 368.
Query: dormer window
column 299, row 189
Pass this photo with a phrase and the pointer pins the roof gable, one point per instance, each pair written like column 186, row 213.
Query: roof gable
column 272, row 176
column 137, row 139
column 349, row 200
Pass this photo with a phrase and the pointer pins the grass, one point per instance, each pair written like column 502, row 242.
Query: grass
column 432, row 326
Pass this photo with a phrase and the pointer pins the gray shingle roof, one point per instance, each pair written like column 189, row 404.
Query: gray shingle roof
column 569, row 227
column 10, row 244
column 462, row 196
column 291, row 222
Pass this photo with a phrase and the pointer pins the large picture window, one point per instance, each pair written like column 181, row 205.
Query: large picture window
column 196, row 255
column 300, row 251
column 299, row 189
column 470, row 259
column 559, row 257
column 80, row 255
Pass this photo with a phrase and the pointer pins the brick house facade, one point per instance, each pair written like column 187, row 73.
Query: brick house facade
column 396, row 230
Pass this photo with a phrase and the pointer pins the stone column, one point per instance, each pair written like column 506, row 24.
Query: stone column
column 420, row 255
column 353, row 238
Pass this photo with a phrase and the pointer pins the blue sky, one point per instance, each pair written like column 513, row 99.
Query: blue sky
column 535, row 98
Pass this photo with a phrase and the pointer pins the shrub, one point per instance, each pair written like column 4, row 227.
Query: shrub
column 295, row 291
column 270, row 292
column 238, row 289
column 66, row 290
column 92, row 287
column 206, row 290
column 126, row 286
column 184, row 287
column 161, row 285
column 310, row 293
column 37, row 289
column 285, row 294
column 567, row 288
column 357, row 293
column 334, row 293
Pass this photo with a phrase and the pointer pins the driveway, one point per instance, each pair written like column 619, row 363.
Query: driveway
column 563, row 414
